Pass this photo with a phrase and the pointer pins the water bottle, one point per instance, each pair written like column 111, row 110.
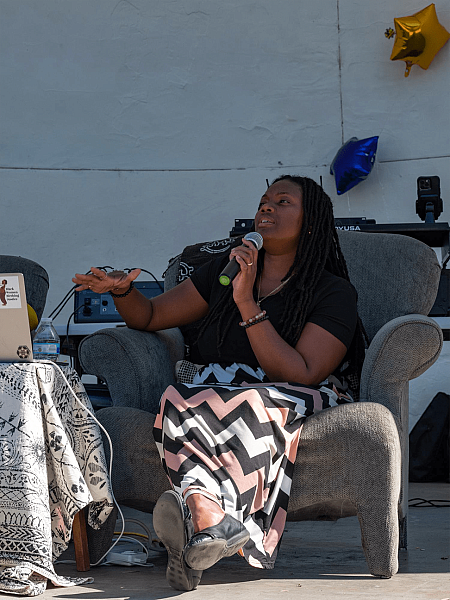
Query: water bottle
column 46, row 342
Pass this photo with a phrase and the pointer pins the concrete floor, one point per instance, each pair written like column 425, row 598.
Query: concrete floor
column 320, row 560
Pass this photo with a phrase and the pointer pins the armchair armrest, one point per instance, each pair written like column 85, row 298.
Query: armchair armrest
column 137, row 366
column 402, row 350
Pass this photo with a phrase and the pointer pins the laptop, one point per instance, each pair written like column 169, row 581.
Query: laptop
column 15, row 337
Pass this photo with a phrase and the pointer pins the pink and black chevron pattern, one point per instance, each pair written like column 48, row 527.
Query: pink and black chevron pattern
column 239, row 444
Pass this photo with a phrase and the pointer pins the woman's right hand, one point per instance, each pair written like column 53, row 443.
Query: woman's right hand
column 247, row 257
column 101, row 282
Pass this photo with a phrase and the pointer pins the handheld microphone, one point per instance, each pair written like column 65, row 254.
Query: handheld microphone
column 233, row 267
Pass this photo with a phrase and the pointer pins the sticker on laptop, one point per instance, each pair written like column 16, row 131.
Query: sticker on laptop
column 23, row 352
column 10, row 292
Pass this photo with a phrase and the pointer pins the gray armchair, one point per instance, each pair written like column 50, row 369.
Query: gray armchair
column 397, row 280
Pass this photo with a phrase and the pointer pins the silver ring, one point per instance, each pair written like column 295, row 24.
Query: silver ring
column 249, row 264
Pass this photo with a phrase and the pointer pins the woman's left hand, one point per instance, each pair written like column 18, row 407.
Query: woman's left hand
column 247, row 258
column 101, row 282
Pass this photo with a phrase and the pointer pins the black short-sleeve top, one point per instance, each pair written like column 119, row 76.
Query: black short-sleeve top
column 333, row 308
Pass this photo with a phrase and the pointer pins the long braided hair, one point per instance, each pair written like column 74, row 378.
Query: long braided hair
column 318, row 248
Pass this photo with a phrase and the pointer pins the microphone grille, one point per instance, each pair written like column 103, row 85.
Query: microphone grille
column 256, row 238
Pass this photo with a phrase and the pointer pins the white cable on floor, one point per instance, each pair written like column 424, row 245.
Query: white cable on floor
column 153, row 543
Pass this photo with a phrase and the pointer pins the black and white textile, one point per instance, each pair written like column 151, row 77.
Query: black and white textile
column 52, row 464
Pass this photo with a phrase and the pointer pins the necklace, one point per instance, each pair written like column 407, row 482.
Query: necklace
column 258, row 302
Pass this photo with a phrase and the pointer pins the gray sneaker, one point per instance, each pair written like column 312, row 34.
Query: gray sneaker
column 173, row 525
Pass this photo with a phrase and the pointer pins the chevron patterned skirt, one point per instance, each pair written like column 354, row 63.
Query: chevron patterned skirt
column 233, row 437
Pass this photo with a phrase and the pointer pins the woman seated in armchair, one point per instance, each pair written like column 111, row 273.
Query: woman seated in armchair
column 280, row 343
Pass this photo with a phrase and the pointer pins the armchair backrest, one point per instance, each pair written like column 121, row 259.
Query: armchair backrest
column 35, row 277
column 394, row 275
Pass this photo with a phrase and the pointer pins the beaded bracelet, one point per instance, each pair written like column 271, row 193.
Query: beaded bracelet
column 124, row 294
column 262, row 316
column 256, row 322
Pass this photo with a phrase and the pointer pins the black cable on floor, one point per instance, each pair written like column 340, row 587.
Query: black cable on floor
column 422, row 503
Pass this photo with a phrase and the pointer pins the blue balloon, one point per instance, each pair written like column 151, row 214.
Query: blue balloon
column 353, row 162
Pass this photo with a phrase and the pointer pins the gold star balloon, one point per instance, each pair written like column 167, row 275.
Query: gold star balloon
column 418, row 38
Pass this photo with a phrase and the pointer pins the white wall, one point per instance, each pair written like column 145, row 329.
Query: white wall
column 129, row 129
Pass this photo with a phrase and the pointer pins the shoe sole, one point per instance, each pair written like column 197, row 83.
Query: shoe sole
column 205, row 555
column 168, row 523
